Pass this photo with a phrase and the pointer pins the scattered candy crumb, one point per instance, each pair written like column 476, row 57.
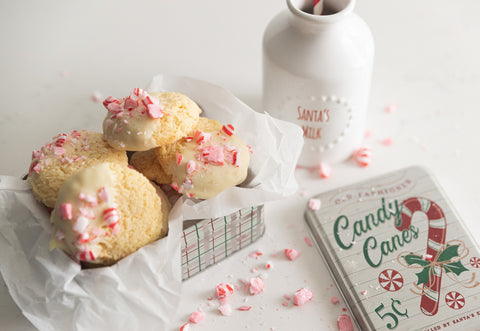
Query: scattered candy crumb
column 256, row 285
column 223, row 290
column 314, row 204
column 387, row 141
column 308, row 241
column 244, row 308
column 324, row 170
column 185, row 327
column 197, row 316
column 256, row 255
column 335, row 300
column 363, row 156
column 391, row 108
column 291, row 254
column 225, row 309
column 344, row 323
column 302, row 296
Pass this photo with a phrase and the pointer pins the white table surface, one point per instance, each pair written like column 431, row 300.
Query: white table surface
column 56, row 54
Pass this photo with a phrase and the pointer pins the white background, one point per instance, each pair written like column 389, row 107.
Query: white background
column 56, row 54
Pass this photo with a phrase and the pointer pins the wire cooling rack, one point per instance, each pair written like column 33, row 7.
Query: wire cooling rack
column 209, row 241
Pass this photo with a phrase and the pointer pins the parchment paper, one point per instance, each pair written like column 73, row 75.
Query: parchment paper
column 142, row 291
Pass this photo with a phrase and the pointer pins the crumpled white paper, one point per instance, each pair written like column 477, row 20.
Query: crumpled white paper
column 142, row 291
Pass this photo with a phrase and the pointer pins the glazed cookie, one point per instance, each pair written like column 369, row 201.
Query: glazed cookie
column 65, row 155
column 143, row 121
column 147, row 163
column 207, row 161
column 106, row 212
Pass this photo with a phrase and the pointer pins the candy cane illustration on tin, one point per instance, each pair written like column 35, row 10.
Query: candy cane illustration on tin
column 437, row 228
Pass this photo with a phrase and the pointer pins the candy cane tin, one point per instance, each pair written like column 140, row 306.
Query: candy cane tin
column 399, row 253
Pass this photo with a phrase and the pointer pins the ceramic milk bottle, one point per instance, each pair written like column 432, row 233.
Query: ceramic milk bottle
column 316, row 73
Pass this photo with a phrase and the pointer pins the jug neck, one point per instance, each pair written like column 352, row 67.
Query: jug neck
column 334, row 12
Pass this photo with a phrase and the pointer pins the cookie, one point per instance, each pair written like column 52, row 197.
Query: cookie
column 208, row 160
column 106, row 212
column 65, row 155
column 143, row 121
column 147, row 163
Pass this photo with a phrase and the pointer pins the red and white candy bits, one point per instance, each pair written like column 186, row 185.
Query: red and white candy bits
column 324, row 170
column 291, row 254
column 65, row 210
column 223, row 290
column 314, row 204
column 256, row 285
column 197, row 316
column 225, row 309
column 344, row 323
column 111, row 217
column 363, row 156
column 228, row 129
column 302, row 296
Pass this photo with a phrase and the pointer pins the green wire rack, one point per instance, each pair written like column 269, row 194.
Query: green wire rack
column 209, row 241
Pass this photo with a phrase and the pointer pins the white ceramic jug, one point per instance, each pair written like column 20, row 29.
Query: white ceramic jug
column 316, row 73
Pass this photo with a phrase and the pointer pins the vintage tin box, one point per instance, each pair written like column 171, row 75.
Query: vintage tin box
column 399, row 253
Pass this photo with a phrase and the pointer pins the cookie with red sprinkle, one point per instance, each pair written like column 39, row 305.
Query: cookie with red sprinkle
column 208, row 160
column 106, row 212
column 63, row 156
column 145, row 120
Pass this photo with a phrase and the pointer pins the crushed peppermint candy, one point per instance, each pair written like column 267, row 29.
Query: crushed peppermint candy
column 84, row 255
column 191, row 166
column 314, row 204
column 197, row 316
column 201, row 137
column 256, row 286
column 308, row 241
column 178, row 158
column 223, row 290
column 80, row 224
column 387, row 141
column 103, row 194
column 212, row 154
column 344, row 323
column 111, row 217
column 324, row 170
column 60, row 235
column 225, row 309
column 185, row 327
column 155, row 111
column 65, row 211
column 291, row 254
column 363, row 156
column 244, row 308
column 228, row 129
column 302, row 296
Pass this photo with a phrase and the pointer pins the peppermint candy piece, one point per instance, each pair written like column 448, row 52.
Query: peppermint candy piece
column 228, row 129
column 363, row 156
column 111, row 217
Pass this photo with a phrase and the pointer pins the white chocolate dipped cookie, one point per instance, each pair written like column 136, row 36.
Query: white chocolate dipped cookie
column 65, row 155
column 143, row 121
column 106, row 212
column 208, row 160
